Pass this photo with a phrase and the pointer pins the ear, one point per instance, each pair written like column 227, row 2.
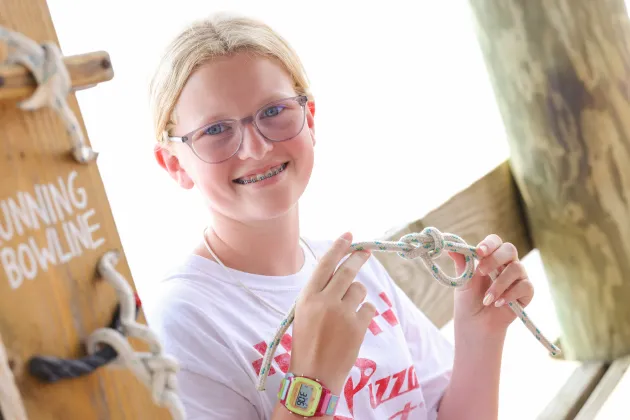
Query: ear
column 310, row 119
column 171, row 164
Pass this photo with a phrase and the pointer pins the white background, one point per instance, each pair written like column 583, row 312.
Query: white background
column 405, row 118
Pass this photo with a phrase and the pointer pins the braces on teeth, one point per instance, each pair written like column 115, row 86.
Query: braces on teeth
column 268, row 174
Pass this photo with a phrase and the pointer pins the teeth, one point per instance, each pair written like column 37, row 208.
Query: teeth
column 268, row 174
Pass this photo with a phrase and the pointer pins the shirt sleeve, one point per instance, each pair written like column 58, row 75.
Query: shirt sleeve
column 211, row 386
column 432, row 352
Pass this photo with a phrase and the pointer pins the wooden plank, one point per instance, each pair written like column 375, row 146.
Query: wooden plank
column 612, row 394
column 489, row 205
column 51, row 205
column 571, row 398
column 85, row 70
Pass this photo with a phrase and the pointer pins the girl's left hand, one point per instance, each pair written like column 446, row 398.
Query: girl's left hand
column 481, row 305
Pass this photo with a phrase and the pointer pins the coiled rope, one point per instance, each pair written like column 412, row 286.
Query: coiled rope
column 428, row 246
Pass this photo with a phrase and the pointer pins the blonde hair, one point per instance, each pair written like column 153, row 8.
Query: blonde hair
column 216, row 36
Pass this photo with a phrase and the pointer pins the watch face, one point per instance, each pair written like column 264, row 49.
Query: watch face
column 303, row 396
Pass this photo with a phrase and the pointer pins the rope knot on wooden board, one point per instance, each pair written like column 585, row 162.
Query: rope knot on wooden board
column 45, row 63
column 156, row 370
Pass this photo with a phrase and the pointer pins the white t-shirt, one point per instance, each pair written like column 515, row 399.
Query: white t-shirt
column 218, row 331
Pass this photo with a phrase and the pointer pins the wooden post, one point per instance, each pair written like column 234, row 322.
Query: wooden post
column 55, row 225
column 560, row 70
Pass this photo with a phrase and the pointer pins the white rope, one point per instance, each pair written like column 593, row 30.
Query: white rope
column 155, row 369
column 11, row 405
column 427, row 245
column 45, row 62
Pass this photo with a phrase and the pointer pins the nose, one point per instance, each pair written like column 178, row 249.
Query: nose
column 254, row 145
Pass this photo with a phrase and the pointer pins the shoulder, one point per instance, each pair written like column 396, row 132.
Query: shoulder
column 181, row 289
column 178, row 309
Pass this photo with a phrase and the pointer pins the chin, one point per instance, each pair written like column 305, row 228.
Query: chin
column 272, row 207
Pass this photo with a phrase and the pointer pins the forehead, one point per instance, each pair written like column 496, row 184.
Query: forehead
column 231, row 86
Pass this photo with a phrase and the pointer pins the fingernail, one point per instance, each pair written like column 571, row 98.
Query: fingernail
column 499, row 302
column 488, row 299
column 483, row 249
column 482, row 271
column 346, row 237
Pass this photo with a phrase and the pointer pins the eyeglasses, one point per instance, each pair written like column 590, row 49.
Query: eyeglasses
column 218, row 141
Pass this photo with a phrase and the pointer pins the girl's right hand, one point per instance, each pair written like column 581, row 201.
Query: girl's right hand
column 328, row 330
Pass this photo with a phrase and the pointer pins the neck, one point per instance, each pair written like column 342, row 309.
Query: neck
column 268, row 248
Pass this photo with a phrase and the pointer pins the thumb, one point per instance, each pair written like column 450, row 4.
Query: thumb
column 460, row 262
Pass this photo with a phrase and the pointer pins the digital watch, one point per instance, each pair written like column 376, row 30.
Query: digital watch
column 307, row 397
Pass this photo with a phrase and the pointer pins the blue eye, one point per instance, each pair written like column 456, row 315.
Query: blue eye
column 273, row 111
column 215, row 129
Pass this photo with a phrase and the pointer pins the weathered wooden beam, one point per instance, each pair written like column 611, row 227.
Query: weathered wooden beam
column 85, row 70
column 568, row 402
column 489, row 205
column 560, row 72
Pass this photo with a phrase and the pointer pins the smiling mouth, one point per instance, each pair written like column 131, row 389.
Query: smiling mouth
column 261, row 177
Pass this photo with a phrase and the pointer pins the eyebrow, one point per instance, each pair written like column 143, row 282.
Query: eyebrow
column 216, row 117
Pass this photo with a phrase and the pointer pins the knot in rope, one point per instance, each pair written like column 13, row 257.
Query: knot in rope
column 428, row 246
column 158, row 372
column 155, row 369
column 45, row 62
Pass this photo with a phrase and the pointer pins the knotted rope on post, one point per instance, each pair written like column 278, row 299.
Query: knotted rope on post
column 52, row 369
column 45, row 62
column 427, row 245
column 156, row 370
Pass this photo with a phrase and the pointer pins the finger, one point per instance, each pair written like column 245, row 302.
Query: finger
column 522, row 291
column 504, row 254
column 355, row 294
column 460, row 262
column 345, row 274
column 488, row 245
column 324, row 270
column 513, row 272
column 366, row 312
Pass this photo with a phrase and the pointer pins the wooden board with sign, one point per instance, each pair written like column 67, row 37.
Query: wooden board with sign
column 55, row 225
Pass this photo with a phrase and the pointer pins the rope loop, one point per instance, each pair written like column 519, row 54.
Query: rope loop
column 51, row 369
column 156, row 370
column 428, row 246
column 45, row 63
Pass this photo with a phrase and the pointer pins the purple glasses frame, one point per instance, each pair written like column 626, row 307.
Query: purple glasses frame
column 302, row 100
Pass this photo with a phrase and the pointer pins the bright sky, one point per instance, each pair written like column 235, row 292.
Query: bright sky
column 405, row 118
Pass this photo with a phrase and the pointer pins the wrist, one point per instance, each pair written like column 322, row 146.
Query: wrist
column 333, row 382
column 472, row 334
column 483, row 351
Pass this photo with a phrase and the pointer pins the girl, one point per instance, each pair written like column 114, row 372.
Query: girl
column 234, row 118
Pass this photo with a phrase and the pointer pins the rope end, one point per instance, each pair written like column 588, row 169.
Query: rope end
column 84, row 154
